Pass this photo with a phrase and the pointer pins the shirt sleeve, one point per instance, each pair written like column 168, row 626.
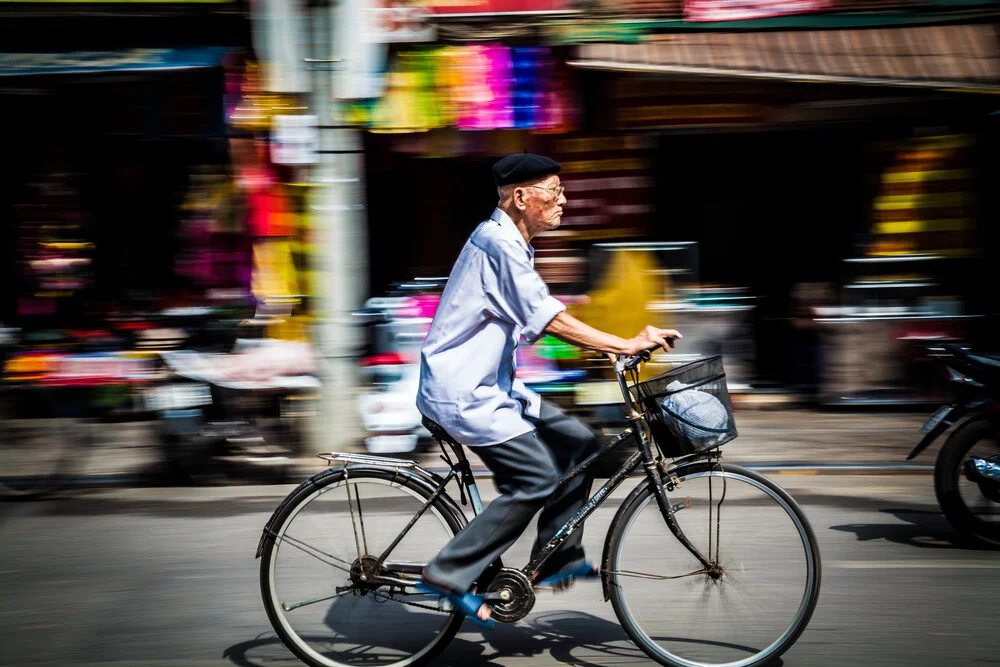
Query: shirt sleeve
column 521, row 296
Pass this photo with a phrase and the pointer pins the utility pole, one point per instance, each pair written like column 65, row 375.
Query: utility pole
column 338, row 219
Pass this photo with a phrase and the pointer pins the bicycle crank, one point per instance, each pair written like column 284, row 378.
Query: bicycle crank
column 510, row 596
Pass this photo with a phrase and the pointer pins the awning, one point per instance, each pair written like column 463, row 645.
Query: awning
column 965, row 57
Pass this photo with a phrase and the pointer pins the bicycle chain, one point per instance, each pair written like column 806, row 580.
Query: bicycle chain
column 375, row 597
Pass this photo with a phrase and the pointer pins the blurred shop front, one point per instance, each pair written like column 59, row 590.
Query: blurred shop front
column 747, row 196
column 447, row 114
column 140, row 207
column 116, row 157
column 755, row 179
column 841, row 176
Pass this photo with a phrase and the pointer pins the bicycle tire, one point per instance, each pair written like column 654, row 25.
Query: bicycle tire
column 948, row 483
column 643, row 496
column 417, row 486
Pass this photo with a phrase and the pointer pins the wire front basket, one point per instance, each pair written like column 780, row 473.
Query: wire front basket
column 688, row 408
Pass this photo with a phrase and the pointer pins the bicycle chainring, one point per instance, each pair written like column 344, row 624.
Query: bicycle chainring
column 518, row 596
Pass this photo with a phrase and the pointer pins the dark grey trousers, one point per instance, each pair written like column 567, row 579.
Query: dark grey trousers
column 526, row 471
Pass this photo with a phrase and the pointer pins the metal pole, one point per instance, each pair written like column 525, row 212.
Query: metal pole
column 338, row 217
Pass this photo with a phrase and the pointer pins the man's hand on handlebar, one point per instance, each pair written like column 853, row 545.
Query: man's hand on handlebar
column 651, row 338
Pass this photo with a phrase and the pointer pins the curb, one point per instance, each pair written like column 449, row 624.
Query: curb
column 791, row 468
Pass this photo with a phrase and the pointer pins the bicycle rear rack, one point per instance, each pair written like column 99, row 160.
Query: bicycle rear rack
column 346, row 457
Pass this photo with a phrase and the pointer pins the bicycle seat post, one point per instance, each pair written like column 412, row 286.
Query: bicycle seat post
column 468, row 480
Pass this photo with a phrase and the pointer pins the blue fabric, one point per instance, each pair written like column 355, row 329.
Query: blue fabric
column 467, row 603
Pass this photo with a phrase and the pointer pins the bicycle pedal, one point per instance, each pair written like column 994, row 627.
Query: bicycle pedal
column 445, row 605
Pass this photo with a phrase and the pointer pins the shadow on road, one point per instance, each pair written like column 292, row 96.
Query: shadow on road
column 921, row 528
column 569, row 637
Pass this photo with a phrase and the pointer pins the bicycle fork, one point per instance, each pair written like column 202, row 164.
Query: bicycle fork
column 653, row 473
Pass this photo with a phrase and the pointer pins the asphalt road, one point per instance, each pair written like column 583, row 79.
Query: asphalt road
column 143, row 577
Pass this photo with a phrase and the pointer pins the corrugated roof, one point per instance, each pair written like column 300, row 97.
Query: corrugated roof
column 959, row 56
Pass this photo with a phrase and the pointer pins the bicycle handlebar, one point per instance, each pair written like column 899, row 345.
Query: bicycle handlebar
column 631, row 362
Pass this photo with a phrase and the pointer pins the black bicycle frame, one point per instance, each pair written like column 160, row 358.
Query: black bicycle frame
column 643, row 456
column 639, row 431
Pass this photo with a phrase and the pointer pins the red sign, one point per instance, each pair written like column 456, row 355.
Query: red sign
column 738, row 10
column 495, row 6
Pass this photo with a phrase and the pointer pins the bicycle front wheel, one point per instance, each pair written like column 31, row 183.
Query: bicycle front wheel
column 750, row 606
column 322, row 564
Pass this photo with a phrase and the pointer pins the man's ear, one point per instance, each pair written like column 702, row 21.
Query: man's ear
column 519, row 199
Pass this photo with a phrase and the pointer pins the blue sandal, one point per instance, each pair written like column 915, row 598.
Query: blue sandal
column 563, row 579
column 466, row 603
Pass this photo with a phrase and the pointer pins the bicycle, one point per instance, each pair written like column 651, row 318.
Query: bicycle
column 757, row 562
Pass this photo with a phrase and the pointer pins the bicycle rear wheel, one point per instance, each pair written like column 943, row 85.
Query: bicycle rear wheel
column 317, row 567
column 746, row 612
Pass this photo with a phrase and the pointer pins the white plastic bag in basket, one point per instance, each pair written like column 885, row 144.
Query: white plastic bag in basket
column 697, row 407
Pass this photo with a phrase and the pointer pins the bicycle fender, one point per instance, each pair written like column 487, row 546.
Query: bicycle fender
column 637, row 492
column 429, row 482
column 284, row 503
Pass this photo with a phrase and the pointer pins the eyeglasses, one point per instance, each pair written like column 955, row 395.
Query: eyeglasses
column 557, row 191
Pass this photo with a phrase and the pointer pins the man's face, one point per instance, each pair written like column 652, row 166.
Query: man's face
column 543, row 204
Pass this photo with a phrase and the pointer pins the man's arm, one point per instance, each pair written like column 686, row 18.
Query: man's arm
column 567, row 328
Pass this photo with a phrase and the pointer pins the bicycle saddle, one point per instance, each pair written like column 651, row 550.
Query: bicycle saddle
column 438, row 432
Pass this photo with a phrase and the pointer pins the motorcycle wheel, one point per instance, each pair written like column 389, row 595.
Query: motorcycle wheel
column 972, row 514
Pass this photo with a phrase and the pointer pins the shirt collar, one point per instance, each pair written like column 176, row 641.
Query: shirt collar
column 511, row 229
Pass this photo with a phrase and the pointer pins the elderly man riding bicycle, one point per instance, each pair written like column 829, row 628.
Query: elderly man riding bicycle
column 468, row 385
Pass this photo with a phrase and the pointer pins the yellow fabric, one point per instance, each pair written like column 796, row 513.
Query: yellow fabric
column 620, row 303
column 273, row 270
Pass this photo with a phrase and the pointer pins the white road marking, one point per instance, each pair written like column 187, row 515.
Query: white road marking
column 915, row 565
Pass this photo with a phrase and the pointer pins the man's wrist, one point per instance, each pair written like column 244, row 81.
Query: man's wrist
column 622, row 346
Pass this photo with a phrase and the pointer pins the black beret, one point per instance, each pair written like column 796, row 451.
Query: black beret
column 523, row 167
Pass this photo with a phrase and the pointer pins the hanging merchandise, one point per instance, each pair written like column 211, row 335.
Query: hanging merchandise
column 472, row 87
column 726, row 10
column 484, row 96
column 926, row 199
column 526, row 99
column 410, row 100
column 54, row 241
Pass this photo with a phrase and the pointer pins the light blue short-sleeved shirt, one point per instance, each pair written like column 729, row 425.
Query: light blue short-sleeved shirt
column 467, row 368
